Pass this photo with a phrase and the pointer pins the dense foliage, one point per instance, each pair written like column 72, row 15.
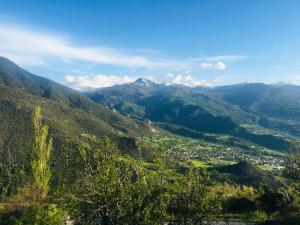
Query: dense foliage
column 110, row 188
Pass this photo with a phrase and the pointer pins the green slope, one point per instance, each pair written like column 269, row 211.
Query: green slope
column 68, row 112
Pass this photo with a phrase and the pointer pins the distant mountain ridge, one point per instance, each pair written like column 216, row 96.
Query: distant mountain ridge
column 225, row 110
column 278, row 106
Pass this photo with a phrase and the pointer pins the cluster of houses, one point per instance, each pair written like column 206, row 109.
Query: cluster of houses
column 231, row 154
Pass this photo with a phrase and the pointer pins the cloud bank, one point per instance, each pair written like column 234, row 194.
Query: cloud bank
column 97, row 81
column 100, row 80
column 185, row 79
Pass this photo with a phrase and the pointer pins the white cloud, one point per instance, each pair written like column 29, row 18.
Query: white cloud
column 185, row 79
column 17, row 41
column 206, row 65
column 217, row 65
column 33, row 47
column 220, row 66
column 227, row 58
column 97, row 81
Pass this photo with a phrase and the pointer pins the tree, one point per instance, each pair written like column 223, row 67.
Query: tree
column 276, row 202
column 193, row 199
column 146, row 195
column 31, row 205
column 41, row 151
column 96, row 184
column 113, row 189
column 292, row 163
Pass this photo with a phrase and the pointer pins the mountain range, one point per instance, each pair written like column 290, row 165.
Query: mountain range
column 267, row 115
column 261, row 114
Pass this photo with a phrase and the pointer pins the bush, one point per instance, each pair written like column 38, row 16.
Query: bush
column 34, row 215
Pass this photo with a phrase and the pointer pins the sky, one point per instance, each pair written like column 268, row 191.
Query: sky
column 90, row 44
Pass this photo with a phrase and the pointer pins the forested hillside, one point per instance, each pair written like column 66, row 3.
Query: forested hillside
column 276, row 105
column 68, row 113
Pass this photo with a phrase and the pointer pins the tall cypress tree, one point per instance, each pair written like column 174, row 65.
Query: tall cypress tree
column 41, row 151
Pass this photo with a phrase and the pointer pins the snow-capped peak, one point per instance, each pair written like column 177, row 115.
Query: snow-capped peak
column 144, row 82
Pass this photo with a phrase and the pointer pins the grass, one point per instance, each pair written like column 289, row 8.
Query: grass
column 223, row 162
column 201, row 164
column 212, row 162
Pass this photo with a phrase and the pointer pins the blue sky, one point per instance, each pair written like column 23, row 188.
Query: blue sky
column 201, row 42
